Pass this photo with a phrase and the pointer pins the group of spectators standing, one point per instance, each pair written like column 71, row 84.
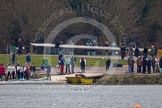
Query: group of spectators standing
column 146, row 63
column 69, row 63
column 19, row 72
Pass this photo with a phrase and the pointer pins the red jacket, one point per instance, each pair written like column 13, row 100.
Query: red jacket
column 2, row 70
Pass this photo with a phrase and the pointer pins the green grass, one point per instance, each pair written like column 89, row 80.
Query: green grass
column 53, row 60
column 100, row 62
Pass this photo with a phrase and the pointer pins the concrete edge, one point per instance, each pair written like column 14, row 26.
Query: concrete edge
column 29, row 83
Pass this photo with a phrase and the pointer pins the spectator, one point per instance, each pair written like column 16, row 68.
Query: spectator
column 21, row 73
column 144, row 63
column 61, row 64
column 48, row 72
column 130, row 64
column 153, row 51
column 26, row 71
column 9, row 71
column 160, row 64
column 28, row 59
column 148, row 65
column 82, row 64
column 139, row 64
column 123, row 49
column 14, row 58
column 108, row 62
column 2, row 72
column 13, row 70
column 145, row 51
column 59, row 57
column 72, row 62
column 67, row 62
column 18, row 71
column 33, row 69
column 157, row 65
column 136, row 52
column 130, row 51
column 153, row 64
column 133, row 62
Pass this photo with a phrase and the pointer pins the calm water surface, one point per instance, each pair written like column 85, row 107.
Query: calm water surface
column 67, row 96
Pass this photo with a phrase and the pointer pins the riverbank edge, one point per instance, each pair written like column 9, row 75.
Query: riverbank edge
column 130, row 79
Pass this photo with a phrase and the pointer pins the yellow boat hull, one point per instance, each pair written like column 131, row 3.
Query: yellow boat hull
column 87, row 81
column 73, row 80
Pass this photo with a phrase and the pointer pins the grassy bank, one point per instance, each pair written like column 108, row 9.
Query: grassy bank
column 130, row 80
column 53, row 60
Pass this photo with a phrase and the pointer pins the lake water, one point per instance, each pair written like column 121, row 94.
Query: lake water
column 77, row 96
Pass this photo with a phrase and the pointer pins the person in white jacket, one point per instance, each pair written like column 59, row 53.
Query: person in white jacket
column 9, row 71
column 13, row 70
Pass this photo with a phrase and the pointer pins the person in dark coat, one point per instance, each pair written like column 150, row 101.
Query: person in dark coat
column 148, row 64
column 160, row 64
column 60, row 56
column 136, row 52
column 145, row 51
column 123, row 49
column 14, row 58
column 108, row 62
column 82, row 64
column 144, row 61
